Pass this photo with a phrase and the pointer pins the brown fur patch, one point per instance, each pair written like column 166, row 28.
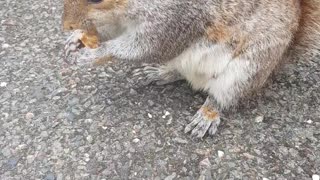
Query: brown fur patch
column 74, row 12
column 209, row 113
column 307, row 38
column 219, row 33
column 228, row 35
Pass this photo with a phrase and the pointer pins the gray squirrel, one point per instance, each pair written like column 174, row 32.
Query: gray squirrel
column 227, row 48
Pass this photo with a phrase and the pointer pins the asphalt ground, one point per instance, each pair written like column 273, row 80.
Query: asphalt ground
column 68, row 122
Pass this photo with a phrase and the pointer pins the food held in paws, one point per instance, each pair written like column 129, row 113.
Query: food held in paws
column 89, row 40
column 90, row 37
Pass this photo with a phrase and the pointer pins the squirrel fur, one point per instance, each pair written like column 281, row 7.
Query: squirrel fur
column 227, row 48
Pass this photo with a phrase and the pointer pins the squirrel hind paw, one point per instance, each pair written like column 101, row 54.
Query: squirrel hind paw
column 204, row 121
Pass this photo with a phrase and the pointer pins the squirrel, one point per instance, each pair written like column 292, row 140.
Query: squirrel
column 226, row 48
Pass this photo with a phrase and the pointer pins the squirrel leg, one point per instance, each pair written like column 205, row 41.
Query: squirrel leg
column 224, row 92
column 156, row 73
column 207, row 119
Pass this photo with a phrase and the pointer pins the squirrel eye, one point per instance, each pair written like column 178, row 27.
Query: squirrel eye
column 95, row 1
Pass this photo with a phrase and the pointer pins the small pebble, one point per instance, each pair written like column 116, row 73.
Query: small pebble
column 180, row 141
column 103, row 74
column 5, row 115
column 86, row 157
column 205, row 163
column 56, row 98
column 171, row 177
column 169, row 121
column 220, row 154
column 3, row 84
column 89, row 139
column 259, row 119
column 309, row 121
column 50, row 176
column 29, row 115
column 315, row 177
column 32, row 101
column 149, row 115
column 5, row 46
column 150, row 103
column 70, row 116
column 167, row 113
column 74, row 91
column 76, row 111
column 265, row 179
column 30, row 159
column 249, row 156
column 44, row 134
column 59, row 177
column 88, row 121
column 12, row 162
column 184, row 169
column 133, row 92
column 136, row 140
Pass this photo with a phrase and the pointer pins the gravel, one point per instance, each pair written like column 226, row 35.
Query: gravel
column 61, row 122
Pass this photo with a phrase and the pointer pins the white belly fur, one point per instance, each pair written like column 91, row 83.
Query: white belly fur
column 212, row 69
column 201, row 63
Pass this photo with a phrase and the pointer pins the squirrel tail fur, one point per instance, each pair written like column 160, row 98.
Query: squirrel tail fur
column 306, row 44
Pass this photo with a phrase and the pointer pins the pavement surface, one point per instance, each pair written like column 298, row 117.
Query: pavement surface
column 61, row 122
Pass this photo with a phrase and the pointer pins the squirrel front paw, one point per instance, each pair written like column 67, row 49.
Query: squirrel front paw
column 73, row 43
column 88, row 56
column 82, row 49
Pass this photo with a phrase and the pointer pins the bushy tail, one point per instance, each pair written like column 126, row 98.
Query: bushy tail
column 307, row 40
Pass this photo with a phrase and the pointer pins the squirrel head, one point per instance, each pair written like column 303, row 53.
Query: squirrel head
column 87, row 14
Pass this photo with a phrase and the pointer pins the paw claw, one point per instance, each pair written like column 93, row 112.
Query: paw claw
column 200, row 125
column 156, row 73
column 200, row 130
column 214, row 127
column 147, row 74
column 137, row 72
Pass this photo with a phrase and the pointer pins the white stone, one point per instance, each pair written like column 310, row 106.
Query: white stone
column 29, row 115
column 89, row 138
column 5, row 46
column 3, row 84
column 259, row 119
column 30, row 159
column 136, row 140
column 166, row 113
column 86, row 157
column 56, row 98
column 309, row 121
column 220, row 154
column 169, row 121
column 88, row 121
column 149, row 115
column 315, row 177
